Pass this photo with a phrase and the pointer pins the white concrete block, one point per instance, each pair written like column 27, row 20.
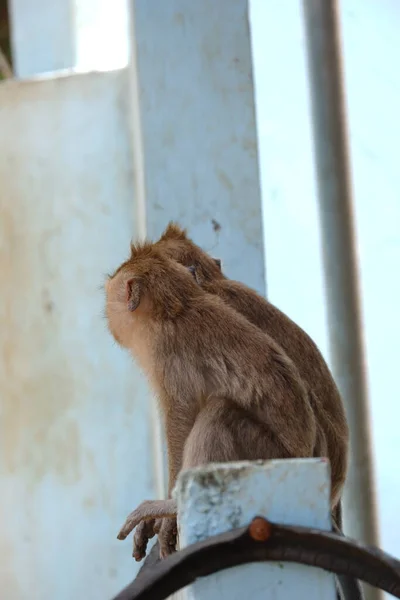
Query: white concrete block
column 222, row 497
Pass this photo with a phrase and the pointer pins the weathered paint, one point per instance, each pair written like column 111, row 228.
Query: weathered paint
column 75, row 422
column 221, row 497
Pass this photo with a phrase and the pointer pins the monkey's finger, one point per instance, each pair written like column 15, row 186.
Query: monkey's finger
column 144, row 532
column 138, row 556
column 141, row 513
column 157, row 525
column 167, row 537
column 161, row 524
column 131, row 522
column 166, row 548
column 169, row 527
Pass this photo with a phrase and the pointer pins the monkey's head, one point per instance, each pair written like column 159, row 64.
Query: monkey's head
column 148, row 287
column 175, row 244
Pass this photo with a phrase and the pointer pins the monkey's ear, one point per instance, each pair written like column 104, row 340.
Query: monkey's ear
column 174, row 232
column 218, row 263
column 133, row 294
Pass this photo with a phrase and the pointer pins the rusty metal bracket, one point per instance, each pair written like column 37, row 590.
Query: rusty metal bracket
column 262, row 541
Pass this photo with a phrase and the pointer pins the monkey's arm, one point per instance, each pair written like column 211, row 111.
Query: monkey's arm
column 179, row 418
column 178, row 422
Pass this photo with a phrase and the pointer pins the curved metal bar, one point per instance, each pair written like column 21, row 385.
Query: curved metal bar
column 349, row 588
column 263, row 541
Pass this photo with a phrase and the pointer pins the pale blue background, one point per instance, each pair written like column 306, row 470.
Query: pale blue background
column 371, row 42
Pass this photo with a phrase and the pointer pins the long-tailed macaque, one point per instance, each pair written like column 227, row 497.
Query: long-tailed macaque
column 227, row 391
column 296, row 343
column 332, row 430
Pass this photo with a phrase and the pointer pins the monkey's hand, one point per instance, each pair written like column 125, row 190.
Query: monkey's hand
column 147, row 511
column 167, row 531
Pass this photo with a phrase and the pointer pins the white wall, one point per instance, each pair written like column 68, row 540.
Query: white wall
column 79, row 447
column 75, row 416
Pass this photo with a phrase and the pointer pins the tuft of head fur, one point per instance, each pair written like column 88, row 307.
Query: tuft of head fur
column 174, row 232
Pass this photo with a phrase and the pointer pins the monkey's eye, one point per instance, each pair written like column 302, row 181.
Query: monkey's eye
column 192, row 270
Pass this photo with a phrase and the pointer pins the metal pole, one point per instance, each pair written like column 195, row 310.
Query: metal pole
column 340, row 263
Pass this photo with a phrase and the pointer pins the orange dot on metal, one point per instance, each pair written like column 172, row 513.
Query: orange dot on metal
column 260, row 529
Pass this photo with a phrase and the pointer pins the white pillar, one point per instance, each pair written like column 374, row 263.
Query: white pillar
column 49, row 35
column 197, row 143
column 194, row 130
column 218, row 498
column 295, row 278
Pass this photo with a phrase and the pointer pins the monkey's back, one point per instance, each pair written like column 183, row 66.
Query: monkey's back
column 304, row 353
column 211, row 350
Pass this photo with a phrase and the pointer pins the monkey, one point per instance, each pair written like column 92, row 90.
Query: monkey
column 296, row 343
column 226, row 389
column 332, row 428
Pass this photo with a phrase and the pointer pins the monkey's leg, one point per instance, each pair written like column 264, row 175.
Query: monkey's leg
column 181, row 433
column 157, row 525
column 197, row 452
column 178, row 421
column 226, row 432
column 149, row 510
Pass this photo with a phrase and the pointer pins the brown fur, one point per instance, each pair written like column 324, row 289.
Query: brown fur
column 226, row 389
column 332, row 429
